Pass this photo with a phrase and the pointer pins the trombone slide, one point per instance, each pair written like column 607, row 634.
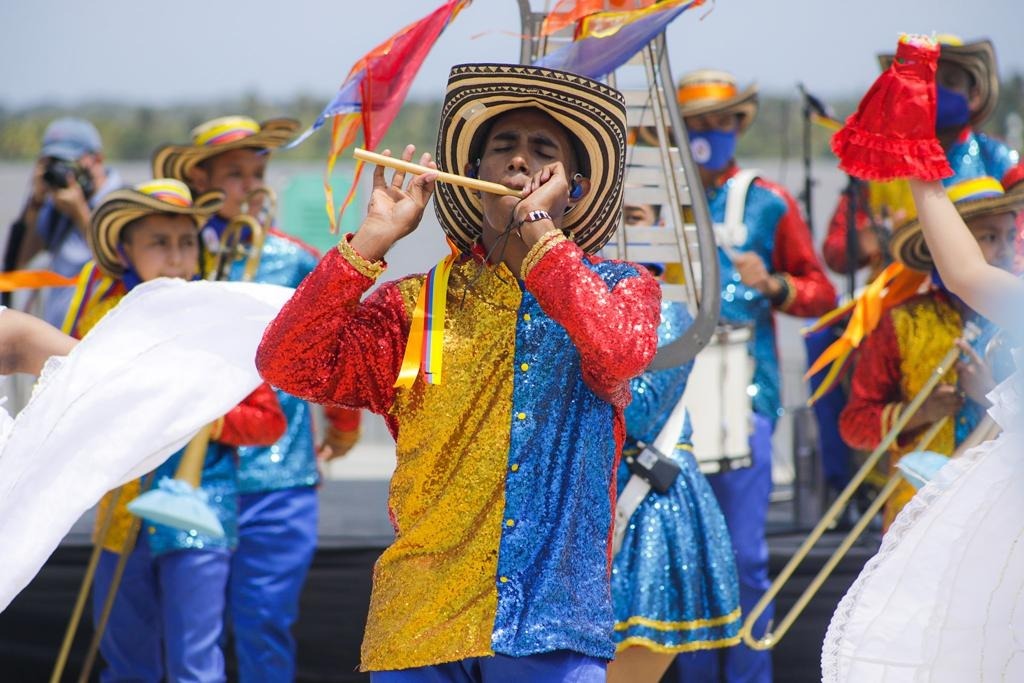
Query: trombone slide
column 774, row 634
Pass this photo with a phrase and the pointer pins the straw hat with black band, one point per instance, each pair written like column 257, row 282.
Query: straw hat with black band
column 708, row 91
column 973, row 198
column 978, row 59
column 121, row 207
column 593, row 114
column 218, row 136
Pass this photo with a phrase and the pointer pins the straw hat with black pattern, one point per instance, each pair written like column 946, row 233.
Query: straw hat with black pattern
column 592, row 112
column 121, row 207
column 708, row 91
column 978, row 59
column 218, row 136
column 973, row 198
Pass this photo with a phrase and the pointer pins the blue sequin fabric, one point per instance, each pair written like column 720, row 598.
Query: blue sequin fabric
column 743, row 304
column 674, row 584
column 977, row 155
column 220, row 485
column 556, row 595
column 970, row 414
column 291, row 462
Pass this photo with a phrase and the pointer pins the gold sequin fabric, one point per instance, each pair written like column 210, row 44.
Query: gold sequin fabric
column 926, row 329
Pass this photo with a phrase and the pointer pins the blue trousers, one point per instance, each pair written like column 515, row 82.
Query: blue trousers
column 168, row 616
column 562, row 666
column 276, row 540
column 836, row 458
column 743, row 496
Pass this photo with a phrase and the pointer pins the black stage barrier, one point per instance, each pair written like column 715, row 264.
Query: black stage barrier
column 353, row 530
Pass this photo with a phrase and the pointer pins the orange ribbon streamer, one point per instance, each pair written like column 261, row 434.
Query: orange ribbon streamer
column 33, row 279
column 892, row 287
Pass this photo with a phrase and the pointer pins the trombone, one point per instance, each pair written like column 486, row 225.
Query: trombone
column 235, row 244
column 772, row 636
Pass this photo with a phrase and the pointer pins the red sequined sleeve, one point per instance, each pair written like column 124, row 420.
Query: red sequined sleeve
column 328, row 347
column 834, row 247
column 256, row 421
column 875, row 394
column 615, row 331
column 811, row 293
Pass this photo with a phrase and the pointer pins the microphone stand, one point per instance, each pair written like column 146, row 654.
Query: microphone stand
column 852, row 191
column 806, row 196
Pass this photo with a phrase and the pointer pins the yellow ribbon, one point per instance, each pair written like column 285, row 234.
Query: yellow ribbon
column 425, row 347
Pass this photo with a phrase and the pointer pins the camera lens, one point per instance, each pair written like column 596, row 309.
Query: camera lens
column 56, row 173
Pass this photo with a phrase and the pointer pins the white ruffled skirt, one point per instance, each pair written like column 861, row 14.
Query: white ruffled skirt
column 943, row 600
column 171, row 357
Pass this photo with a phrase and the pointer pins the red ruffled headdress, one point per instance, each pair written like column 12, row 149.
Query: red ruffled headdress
column 892, row 133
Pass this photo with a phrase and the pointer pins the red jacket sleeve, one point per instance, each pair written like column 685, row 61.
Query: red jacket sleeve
column 834, row 248
column 326, row 346
column 875, row 393
column 256, row 421
column 811, row 292
column 614, row 330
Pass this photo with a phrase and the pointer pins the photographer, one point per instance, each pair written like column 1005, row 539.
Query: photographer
column 68, row 180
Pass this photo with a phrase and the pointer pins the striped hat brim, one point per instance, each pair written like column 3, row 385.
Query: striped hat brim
column 979, row 60
column 121, row 207
column 176, row 161
column 908, row 245
column 592, row 112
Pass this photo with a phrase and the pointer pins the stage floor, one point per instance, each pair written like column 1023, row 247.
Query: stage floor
column 354, row 528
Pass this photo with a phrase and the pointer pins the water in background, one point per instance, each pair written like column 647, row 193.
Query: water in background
column 374, row 456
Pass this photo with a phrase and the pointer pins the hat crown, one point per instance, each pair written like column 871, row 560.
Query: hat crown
column 69, row 138
column 707, row 76
column 167, row 190
column 706, row 86
column 224, row 129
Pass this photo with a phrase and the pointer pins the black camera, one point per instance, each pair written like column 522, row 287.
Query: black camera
column 653, row 466
column 56, row 175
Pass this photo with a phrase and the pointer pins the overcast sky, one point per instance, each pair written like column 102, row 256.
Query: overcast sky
column 67, row 51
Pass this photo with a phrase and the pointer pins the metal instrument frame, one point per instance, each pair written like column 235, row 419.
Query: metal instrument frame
column 680, row 183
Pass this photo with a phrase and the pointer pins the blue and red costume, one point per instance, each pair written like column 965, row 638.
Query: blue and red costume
column 777, row 233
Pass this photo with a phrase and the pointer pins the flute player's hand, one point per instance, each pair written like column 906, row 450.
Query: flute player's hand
column 395, row 208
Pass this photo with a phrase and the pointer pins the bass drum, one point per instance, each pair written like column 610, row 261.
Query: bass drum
column 718, row 399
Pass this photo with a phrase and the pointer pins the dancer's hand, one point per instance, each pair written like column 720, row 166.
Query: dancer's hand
column 548, row 190
column 754, row 273
column 394, row 211
column 975, row 375
column 944, row 401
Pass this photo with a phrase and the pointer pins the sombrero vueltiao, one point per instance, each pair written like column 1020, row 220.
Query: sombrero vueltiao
column 974, row 197
column 978, row 59
column 592, row 112
column 121, row 207
column 218, row 136
column 707, row 91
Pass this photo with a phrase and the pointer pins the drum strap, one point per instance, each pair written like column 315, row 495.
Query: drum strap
column 636, row 488
column 733, row 231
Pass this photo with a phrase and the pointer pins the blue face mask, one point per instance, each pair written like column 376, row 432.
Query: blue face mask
column 713, row 149
column 951, row 109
